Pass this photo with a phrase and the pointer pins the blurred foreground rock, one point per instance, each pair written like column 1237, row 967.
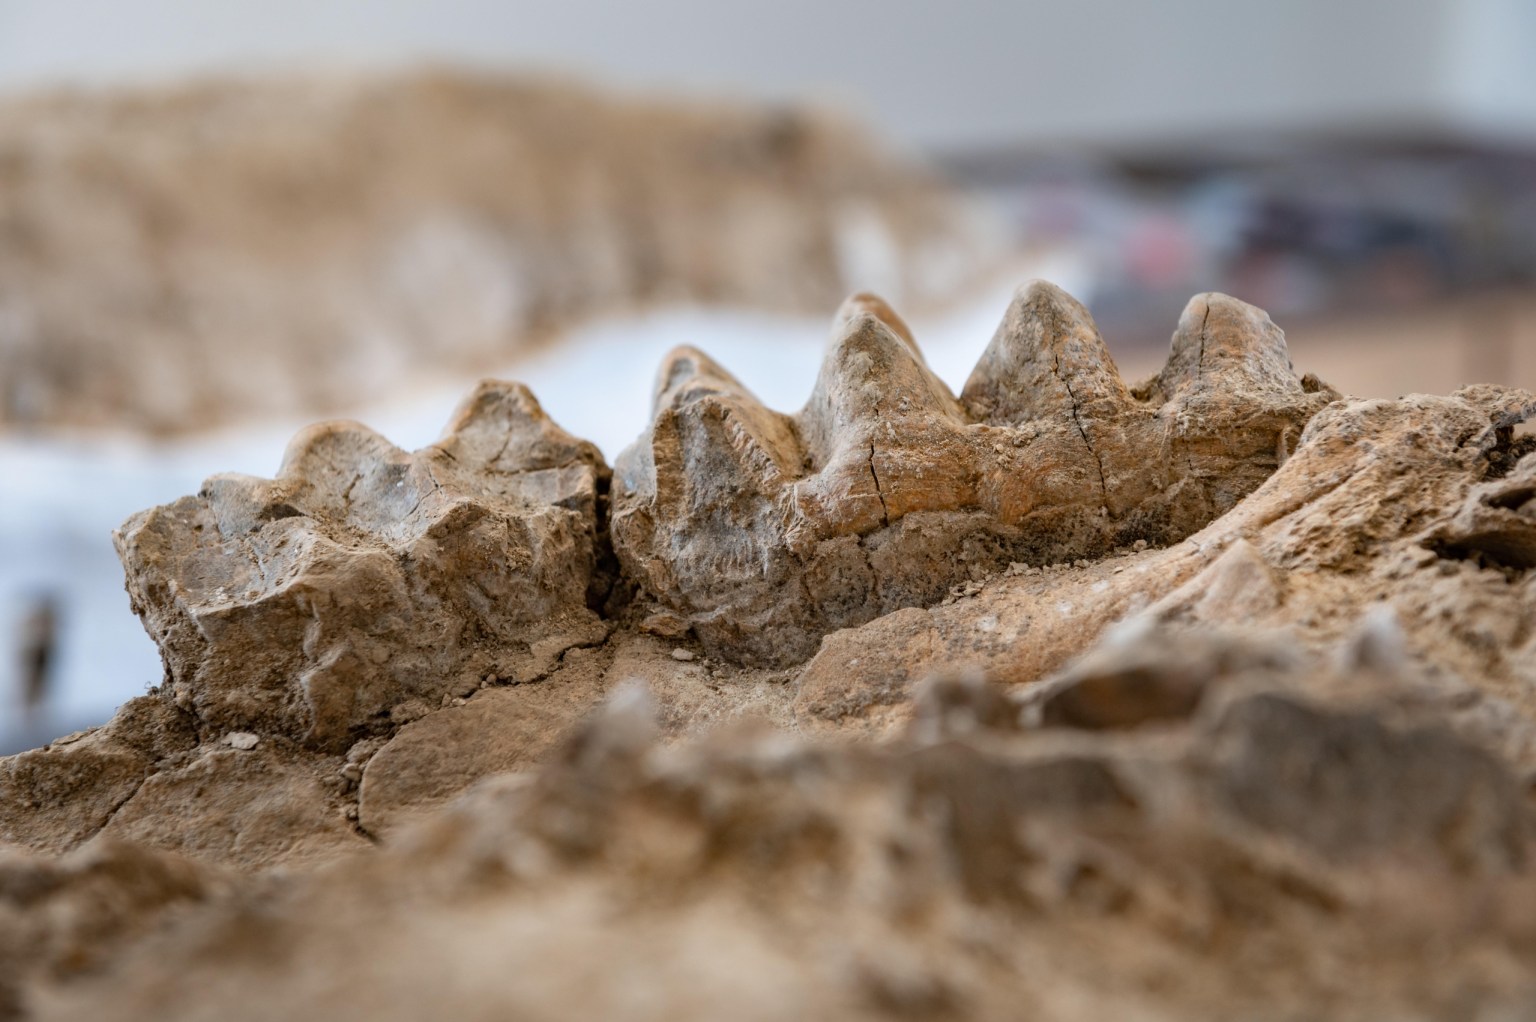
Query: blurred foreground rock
column 1270, row 758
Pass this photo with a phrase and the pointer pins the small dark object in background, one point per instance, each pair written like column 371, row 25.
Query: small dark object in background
column 39, row 637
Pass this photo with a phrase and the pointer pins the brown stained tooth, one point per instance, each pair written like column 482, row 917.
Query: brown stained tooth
column 764, row 533
column 712, row 426
column 874, row 399
column 685, row 373
column 364, row 577
column 1223, row 345
column 871, row 374
column 500, row 439
column 1046, row 360
column 874, row 305
column 502, row 425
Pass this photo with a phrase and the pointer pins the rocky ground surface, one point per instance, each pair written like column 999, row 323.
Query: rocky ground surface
column 1229, row 713
column 175, row 258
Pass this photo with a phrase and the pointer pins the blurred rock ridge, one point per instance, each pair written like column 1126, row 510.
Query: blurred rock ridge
column 1208, row 696
column 179, row 257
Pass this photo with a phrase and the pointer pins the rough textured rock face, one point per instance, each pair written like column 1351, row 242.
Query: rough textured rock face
column 172, row 257
column 1272, row 766
column 765, row 531
column 363, row 578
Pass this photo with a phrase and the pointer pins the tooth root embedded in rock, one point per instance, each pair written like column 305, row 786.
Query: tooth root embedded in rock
column 363, row 577
column 1046, row 360
column 1224, row 346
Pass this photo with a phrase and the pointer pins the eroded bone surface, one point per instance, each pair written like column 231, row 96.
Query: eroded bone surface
column 364, row 578
column 767, row 531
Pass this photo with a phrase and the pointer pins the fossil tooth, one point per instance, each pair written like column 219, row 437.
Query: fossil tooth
column 764, row 532
column 874, row 305
column 363, row 576
column 1046, row 359
column 1231, row 343
column 686, row 373
column 874, row 397
column 872, row 375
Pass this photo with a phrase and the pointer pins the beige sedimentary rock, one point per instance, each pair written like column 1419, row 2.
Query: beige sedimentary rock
column 767, row 531
column 176, row 257
column 364, row 579
column 1001, row 874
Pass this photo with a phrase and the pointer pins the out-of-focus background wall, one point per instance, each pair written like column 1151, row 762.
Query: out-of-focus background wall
column 944, row 76
column 220, row 220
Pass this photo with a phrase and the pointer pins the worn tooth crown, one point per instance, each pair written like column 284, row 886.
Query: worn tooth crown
column 1231, row 342
column 1046, row 359
column 767, row 531
column 364, row 577
column 389, row 577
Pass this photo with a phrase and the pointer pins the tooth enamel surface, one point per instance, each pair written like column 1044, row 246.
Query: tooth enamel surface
column 766, row 531
column 364, row 577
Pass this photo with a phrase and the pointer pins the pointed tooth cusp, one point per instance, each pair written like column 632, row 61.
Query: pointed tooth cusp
column 874, row 305
column 686, row 373
column 1046, row 361
column 1229, row 345
column 502, row 426
column 870, row 377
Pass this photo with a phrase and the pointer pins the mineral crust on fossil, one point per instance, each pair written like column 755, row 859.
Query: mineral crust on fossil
column 363, row 577
column 767, row 531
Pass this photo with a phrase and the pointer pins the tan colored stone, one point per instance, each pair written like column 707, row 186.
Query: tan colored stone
column 240, row 809
column 181, row 256
column 435, row 759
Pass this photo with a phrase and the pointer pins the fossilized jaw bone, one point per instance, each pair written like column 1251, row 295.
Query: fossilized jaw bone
column 767, row 531
column 363, row 576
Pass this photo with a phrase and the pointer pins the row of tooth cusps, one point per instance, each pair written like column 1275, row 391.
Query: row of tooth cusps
column 1044, row 423
column 766, row 531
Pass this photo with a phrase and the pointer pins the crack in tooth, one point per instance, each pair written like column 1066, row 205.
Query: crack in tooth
column 1227, row 346
column 1046, row 359
column 884, row 485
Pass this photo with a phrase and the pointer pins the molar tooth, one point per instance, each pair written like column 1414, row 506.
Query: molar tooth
column 874, row 305
column 1046, row 361
column 326, row 451
column 687, row 372
column 364, row 577
column 1229, row 346
column 870, row 376
column 502, row 423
